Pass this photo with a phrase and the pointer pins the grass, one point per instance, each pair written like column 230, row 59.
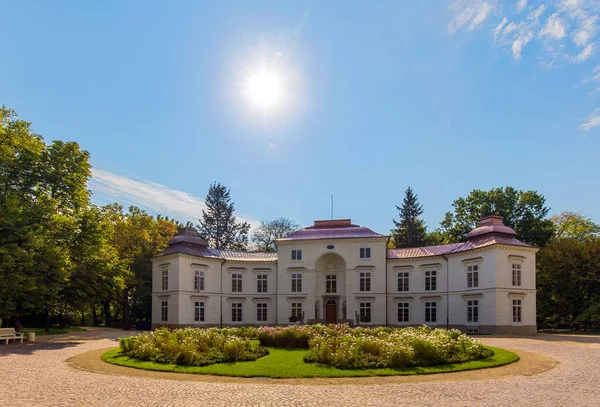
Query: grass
column 289, row 363
column 52, row 331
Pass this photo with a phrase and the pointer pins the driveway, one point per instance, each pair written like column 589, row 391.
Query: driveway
column 38, row 374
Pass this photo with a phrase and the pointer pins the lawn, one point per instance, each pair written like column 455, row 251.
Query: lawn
column 289, row 363
column 52, row 331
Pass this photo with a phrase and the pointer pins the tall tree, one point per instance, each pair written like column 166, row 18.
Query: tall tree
column 270, row 230
column 524, row 211
column 573, row 225
column 218, row 225
column 410, row 229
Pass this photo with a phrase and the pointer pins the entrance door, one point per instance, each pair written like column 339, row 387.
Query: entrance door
column 331, row 312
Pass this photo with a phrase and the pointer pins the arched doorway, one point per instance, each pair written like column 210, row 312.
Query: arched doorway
column 331, row 312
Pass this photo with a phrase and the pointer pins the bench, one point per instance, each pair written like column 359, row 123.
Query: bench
column 7, row 334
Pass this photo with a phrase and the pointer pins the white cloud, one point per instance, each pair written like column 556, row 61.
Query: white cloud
column 519, row 43
column 585, row 30
column 469, row 12
column 572, row 4
column 108, row 187
column 583, row 55
column 537, row 13
column 521, row 4
column 554, row 28
column 591, row 121
column 499, row 28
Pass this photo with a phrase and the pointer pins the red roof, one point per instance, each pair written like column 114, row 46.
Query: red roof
column 331, row 229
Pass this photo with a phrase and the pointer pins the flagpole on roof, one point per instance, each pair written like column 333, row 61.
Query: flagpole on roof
column 331, row 206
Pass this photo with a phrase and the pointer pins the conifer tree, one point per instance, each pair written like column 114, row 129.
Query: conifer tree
column 218, row 225
column 410, row 230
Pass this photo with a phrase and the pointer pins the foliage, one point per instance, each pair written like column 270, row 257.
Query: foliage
column 573, row 225
column 269, row 231
column 568, row 281
column 524, row 211
column 191, row 347
column 218, row 225
column 410, row 229
column 590, row 317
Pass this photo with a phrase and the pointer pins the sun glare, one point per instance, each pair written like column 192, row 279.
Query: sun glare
column 264, row 89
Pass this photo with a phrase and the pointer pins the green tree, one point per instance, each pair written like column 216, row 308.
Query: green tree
column 410, row 229
column 568, row 281
column 524, row 211
column 218, row 225
column 270, row 230
column 573, row 225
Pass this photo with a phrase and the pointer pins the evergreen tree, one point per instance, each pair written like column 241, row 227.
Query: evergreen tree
column 410, row 230
column 218, row 225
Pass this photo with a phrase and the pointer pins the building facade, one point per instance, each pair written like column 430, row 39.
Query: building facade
column 334, row 272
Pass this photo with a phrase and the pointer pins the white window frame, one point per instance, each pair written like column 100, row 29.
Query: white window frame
column 164, row 311
column 262, row 285
column 296, row 280
column 517, row 311
column 296, row 310
column 236, row 282
column 517, row 274
column 364, row 252
column 403, row 281
column 262, row 313
column 165, row 280
column 430, row 280
column 431, row 312
column 472, row 311
column 199, row 311
column 364, row 281
column 403, row 312
column 331, row 283
column 365, row 309
column 237, row 312
column 473, row 276
column 296, row 254
column 199, row 280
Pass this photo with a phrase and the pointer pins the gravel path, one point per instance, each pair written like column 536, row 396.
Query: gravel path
column 38, row 375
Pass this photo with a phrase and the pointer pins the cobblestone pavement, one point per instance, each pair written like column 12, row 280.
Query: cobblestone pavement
column 37, row 375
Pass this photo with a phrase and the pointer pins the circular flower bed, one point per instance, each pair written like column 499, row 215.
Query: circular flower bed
column 335, row 345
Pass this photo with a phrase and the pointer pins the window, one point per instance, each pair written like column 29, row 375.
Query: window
column 164, row 311
column 331, row 284
column 430, row 280
column 165, row 280
column 431, row 311
column 199, row 311
column 403, row 313
column 403, row 281
column 261, row 312
column 364, row 281
column 297, row 310
column 473, row 276
column 261, row 283
column 296, row 282
column 516, row 274
column 198, row 280
column 473, row 311
column 516, row 311
column 365, row 252
column 236, row 283
column 296, row 254
column 365, row 311
column 236, row 312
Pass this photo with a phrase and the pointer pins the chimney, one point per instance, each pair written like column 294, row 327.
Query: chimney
column 492, row 220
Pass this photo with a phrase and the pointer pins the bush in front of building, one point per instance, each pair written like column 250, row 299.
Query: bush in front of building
column 298, row 336
column 394, row 348
column 194, row 347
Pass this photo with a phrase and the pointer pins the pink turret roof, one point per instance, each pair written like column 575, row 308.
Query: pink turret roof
column 332, row 229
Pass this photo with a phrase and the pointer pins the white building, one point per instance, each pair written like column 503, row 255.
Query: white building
column 335, row 272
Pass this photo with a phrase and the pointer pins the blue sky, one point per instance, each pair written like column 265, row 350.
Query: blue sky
column 443, row 96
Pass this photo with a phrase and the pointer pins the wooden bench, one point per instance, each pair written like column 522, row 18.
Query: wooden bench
column 7, row 334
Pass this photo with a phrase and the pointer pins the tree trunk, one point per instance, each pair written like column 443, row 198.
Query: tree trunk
column 107, row 316
column 14, row 322
column 126, row 311
column 94, row 315
column 83, row 316
column 47, row 323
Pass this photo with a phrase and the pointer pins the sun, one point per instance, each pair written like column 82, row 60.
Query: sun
column 264, row 89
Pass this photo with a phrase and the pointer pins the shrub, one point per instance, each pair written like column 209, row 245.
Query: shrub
column 193, row 346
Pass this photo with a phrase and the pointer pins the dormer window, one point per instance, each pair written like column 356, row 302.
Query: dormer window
column 365, row 252
column 296, row 254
